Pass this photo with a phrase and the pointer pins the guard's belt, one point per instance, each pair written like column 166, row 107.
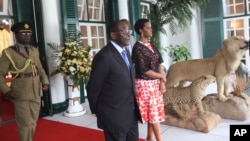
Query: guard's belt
column 26, row 75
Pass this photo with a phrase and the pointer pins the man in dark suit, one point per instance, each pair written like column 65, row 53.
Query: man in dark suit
column 110, row 90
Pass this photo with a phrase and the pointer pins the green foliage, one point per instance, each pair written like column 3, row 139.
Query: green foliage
column 177, row 13
column 156, row 43
column 178, row 53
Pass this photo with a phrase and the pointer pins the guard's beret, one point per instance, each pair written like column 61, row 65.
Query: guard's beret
column 21, row 27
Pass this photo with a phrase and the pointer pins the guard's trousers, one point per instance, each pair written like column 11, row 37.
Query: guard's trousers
column 26, row 115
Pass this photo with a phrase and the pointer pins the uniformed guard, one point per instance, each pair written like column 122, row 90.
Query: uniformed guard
column 22, row 61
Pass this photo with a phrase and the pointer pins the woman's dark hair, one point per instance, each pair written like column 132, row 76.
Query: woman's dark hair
column 139, row 24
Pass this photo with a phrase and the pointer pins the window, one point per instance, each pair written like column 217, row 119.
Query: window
column 145, row 10
column 237, row 21
column 92, row 23
column 91, row 10
column 5, row 23
column 82, row 13
column 3, row 7
column 236, row 27
column 233, row 7
column 93, row 35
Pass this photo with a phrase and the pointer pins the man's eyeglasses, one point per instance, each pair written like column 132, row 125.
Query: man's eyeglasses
column 24, row 33
column 125, row 31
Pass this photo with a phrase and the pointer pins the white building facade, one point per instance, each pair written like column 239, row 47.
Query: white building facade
column 203, row 37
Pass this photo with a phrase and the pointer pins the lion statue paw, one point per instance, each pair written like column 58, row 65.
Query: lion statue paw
column 229, row 95
column 222, row 98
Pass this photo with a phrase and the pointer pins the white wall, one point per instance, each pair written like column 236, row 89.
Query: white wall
column 191, row 37
column 52, row 32
column 169, row 39
column 195, row 36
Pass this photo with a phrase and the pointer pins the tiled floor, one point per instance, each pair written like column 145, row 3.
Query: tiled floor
column 170, row 133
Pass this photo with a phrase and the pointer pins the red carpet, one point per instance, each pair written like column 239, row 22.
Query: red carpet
column 7, row 108
column 48, row 130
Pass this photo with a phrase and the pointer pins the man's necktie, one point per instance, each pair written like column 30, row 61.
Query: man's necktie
column 26, row 49
column 125, row 58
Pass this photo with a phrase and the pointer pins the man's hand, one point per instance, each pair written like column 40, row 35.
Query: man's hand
column 11, row 94
column 45, row 87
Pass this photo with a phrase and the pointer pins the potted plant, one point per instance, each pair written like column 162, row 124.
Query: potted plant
column 73, row 61
column 178, row 52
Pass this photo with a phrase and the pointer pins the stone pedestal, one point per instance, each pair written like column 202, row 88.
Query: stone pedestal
column 193, row 121
column 74, row 108
column 236, row 107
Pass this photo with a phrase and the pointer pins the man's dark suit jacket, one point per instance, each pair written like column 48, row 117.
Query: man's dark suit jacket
column 111, row 91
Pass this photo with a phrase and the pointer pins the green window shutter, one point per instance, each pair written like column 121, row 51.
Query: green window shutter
column 212, row 28
column 115, row 10
column 70, row 16
column 134, row 14
column 110, row 15
column 212, row 38
column 24, row 12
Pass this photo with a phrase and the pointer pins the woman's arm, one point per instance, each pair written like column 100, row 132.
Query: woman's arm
column 163, row 81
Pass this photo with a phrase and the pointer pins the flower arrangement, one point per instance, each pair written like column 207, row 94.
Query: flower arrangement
column 74, row 60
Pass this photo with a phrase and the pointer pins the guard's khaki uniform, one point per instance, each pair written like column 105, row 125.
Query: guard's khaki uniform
column 27, row 84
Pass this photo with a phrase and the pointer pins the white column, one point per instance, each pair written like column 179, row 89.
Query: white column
column 195, row 36
column 123, row 9
column 51, row 20
column 52, row 30
column 57, row 89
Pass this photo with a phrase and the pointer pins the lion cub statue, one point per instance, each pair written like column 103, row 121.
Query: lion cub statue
column 192, row 94
column 221, row 65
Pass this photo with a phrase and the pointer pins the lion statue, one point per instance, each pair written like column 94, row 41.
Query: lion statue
column 221, row 65
column 191, row 94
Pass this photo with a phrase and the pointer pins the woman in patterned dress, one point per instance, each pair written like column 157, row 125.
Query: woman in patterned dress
column 150, row 80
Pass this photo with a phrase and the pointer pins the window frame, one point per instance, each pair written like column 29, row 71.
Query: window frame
column 89, row 36
column 142, row 13
column 234, row 17
column 236, row 28
column 5, row 7
column 225, row 6
column 85, row 4
column 246, row 29
column 91, row 23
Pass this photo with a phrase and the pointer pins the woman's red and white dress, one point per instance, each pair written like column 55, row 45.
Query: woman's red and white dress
column 148, row 95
